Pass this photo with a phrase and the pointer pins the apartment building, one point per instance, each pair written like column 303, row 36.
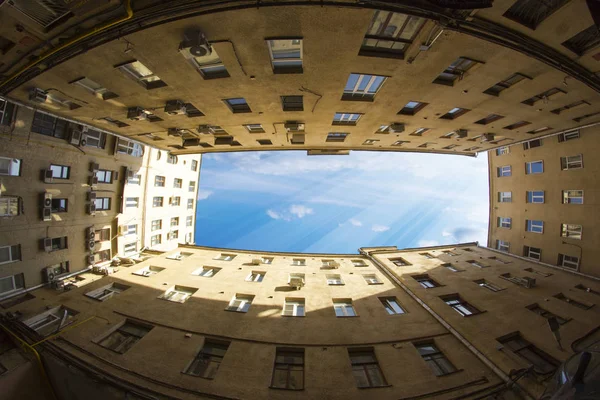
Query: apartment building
column 544, row 200
column 438, row 322
column 333, row 78
column 65, row 191
column 160, row 203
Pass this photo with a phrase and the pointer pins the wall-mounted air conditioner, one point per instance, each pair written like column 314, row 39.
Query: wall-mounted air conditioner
column 94, row 167
column 297, row 138
column 195, row 45
column 396, row 128
column 91, row 245
column 256, row 261
column 91, row 209
column 461, row 133
column 174, row 132
column 93, row 180
column 47, row 245
column 47, row 175
column 38, row 95
column 294, row 127
column 90, row 233
column 175, row 107
column 75, row 137
column 296, row 281
column 91, row 196
column 91, row 259
column 48, row 274
column 136, row 114
column 204, row 129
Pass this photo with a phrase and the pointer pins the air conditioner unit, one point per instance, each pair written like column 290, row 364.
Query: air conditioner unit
column 461, row 133
column 93, row 181
column 94, row 167
column 92, row 196
column 47, row 200
column 396, row 128
column 174, row 132
column 175, row 107
column 136, row 114
column 48, row 274
column 256, row 261
column 488, row 137
column 296, row 282
column 294, row 127
column 91, row 244
column 204, row 129
column 90, row 233
column 47, row 174
column 75, row 137
column 38, row 95
column 58, row 285
column 297, row 138
column 91, row 259
column 47, row 245
column 527, row 282
column 195, row 45
column 47, row 214
column 91, row 209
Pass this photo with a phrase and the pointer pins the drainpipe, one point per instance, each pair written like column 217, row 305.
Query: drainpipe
column 489, row 363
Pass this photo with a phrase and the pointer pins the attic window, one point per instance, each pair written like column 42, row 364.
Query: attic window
column 238, row 105
column 505, row 84
column 390, row 34
column 489, row 119
column 420, row 132
column 531, row 13
column 412, row 107
column 454, row 113
column 584, row 41
column 456, row 70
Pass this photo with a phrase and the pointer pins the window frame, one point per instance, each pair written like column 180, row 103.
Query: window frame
column 567, row 163
column 279, row 64
column 432, row 358
column 571, row 231
column 355, row 93
column 392, row 305
column 244, row 300
column 533, row 196
column 534, row 226
column 568, row 199
column 529, row 167
column 285, row 361
column 207, row 361
column 367, row 367
column 129, row 71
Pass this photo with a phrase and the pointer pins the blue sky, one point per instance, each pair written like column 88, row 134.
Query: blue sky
column 288, row 201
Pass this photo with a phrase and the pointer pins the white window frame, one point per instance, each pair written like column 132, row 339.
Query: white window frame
column 206, row 272
column 266, row 260
column 567, row 197
column 256, row 276
column 504, row 197
column 529, row 167
column 569, row 136
column 489, row 286
column 372, row 279
column 104, row 293
column 502, row 150
column 190, row 204
column 534, row 226
column 334, row 280
column 346, row 117
column 281, row 62
column 356, row 92
column 130, row 148
column 177, row 294
column 127, row 248
column 240, row 303
column 502, row 245
column 504, row 171
column 225, row 257
column 535, row 198
column 10, row 254
column 132, row 202
column 13, row 283
column 569, row 261
column 137, row 74
column 392, row 306
column 505, row 222
column 299, row 262
column 7, row 204
column 155, row 239
column 148, row 271
column 571, row 162
column 189, row 220
column 359, row 263
column 102, row 203
column 571, row 231
column 298, row 308
column 534, row 253
column 342, row 307
column 54, row 316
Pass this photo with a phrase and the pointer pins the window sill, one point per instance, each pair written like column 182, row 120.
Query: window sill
column 450, row 373
column 474, row 315
column 373, row 387
column 278, row 388
column 291, row 70
column 350, row 97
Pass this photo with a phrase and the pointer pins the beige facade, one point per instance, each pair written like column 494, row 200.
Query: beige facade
column 545, row 206
column 333, row 69
column 359, row 313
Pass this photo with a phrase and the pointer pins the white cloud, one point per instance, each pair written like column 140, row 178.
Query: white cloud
column 446, row 234
column 273, row 214
column 380, row 228
column 355, row 222
column 204, row 194
column 427, row 243
column 300, row 211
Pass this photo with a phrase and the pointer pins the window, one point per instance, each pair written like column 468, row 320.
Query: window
column 425, row 281
column 571, row 162
column 535, row 271
column 95, row 88
column 148, row 271
column 206, row 272
column 456, row 70
column 372, row 279
column 48, row 125
column 534, row 167
column 9, row 206
column 460, row 305
column 288, row 371
column 334, row 280
column 210, row 65
column 399, row 262
column 390, row 34
column 572, row 196
column 132, row 202
column 60, row 171
column 455, row 113
column 194, row 165
column 125, row 336
column 177, row 183
column 192, row 186
column 563, row 137
column 293, row 307
column 535, row 196
column 117, row 123
column 502, row 150
column 346, row 118
column 499, row 260
column 178, row 294
column 10, row 166
column 174, row 221
column 505, row 84
column 504, row 197
column 264, row 142
column 532, row 144
column 336, row 137
column 532, row 252
column 412, row 107
column 254, row 128
column 488, row 285
column 583, row 41
column 159, row 181
column 225, row 257
column 12, row 283
column 141, row 74
column 102, row 235
column 365, row 368
column 133, row 179
column 436, row 360
column 502, row 245
column 546, row 314
column 370, row 141
column 504, row 171
column 256, row 276
column 300, row 262
column 451, row 267
column 587, row 289
column 238, row 105
column 157, row 201
column 189, row 220
column 516, row 125
column 10, row 254
column 543, row 96
column 571, row 231
column 391, row 305
column 130, row 148
column 504, row 222
column 531, row 13
column 292, row 103
column 240, row 303
column 173, row 235
column 477, row 264
column 51, row 321
column 362, row 87
column 573, row 302
column 542, row 362
column 266, row 260
column 419, row 132
column 343, row 308
column 156, row 225
column 207, row 361
column 568, row 261
column 7, row 111
column 535, row 226
column 130, row 248
column 286, row 55
column 536, row 143
column 427, row 255
column 106, row 292
column 190, row 204
column 155, row 240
